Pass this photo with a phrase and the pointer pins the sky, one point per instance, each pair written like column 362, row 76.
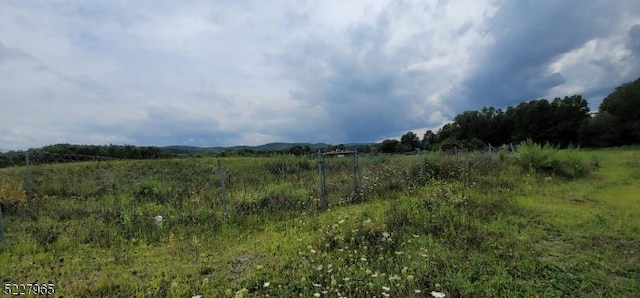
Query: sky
column 224, row 73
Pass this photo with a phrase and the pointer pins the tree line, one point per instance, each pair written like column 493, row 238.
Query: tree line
column 561, row 121
column 69, row 152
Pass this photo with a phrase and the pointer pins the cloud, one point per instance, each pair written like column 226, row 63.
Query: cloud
column 542, row 46
column 227, row 73
column 634, row 40
column 382, row 75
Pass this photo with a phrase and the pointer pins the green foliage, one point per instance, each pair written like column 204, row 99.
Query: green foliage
column 622, row 108
column 410, row 141
column 390, row 146
column 568, row 163
column 534, row 156
column 563, row 122
column 479, row 225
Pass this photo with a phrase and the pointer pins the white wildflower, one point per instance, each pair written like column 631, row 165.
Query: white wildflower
column 158, row 219
column 386, row 289
column 437, row 294
column 266, row 284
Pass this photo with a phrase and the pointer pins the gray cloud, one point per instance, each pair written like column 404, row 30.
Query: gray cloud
column 529, row 36
column 226, row 73
column 634, row 40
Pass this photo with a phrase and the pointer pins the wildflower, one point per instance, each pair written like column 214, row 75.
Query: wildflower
column 417, row 291
column 386, row 289
column 316, row 294
column 196, row 296
column 158, row 219
column 437, row 294
column 242, row 293
column 317, row 285
column 266, row 284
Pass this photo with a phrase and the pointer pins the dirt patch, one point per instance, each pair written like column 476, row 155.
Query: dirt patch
column 243, row 265
column 584, row 200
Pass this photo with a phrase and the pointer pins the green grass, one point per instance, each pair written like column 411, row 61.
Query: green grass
column 474, row 226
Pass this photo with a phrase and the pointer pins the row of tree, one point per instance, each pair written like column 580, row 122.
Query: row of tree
column 67, row 153
column 561, row 121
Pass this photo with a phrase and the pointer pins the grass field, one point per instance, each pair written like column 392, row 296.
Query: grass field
column 527, row 224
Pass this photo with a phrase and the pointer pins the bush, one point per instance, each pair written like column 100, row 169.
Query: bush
column 568, row 163
column 532, row 156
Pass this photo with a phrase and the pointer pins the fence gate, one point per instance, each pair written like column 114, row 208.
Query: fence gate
column 340, row 178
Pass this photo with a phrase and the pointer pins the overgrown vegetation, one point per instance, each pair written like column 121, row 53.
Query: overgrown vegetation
column 538, row 222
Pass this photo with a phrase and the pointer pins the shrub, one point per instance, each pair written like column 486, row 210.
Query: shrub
column 530, row 155
column 568, row 163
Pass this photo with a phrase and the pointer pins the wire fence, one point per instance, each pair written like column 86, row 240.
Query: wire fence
column 125, row 200
column 232, row 186
column 340, row 178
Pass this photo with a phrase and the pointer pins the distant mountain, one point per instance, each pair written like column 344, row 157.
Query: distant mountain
column 260, row 148
column 190, row 149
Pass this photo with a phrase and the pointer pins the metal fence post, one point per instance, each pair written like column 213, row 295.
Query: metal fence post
column 1, row 229
column 356, row 177
column 27, row 175
column 421, row 165
column 223, row 189
column 323, row 204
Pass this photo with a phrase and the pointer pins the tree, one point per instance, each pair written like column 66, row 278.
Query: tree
column 531, row 120
column 600, row 131
column 410, row 141
column 388, row 146
column 429, row 140
column 568, row 115
column 623, row 105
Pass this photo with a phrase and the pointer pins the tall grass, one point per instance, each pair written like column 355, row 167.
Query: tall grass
column 567, row 163
column 461, row 228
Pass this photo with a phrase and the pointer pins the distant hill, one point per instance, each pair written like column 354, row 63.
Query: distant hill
column 260, row 148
